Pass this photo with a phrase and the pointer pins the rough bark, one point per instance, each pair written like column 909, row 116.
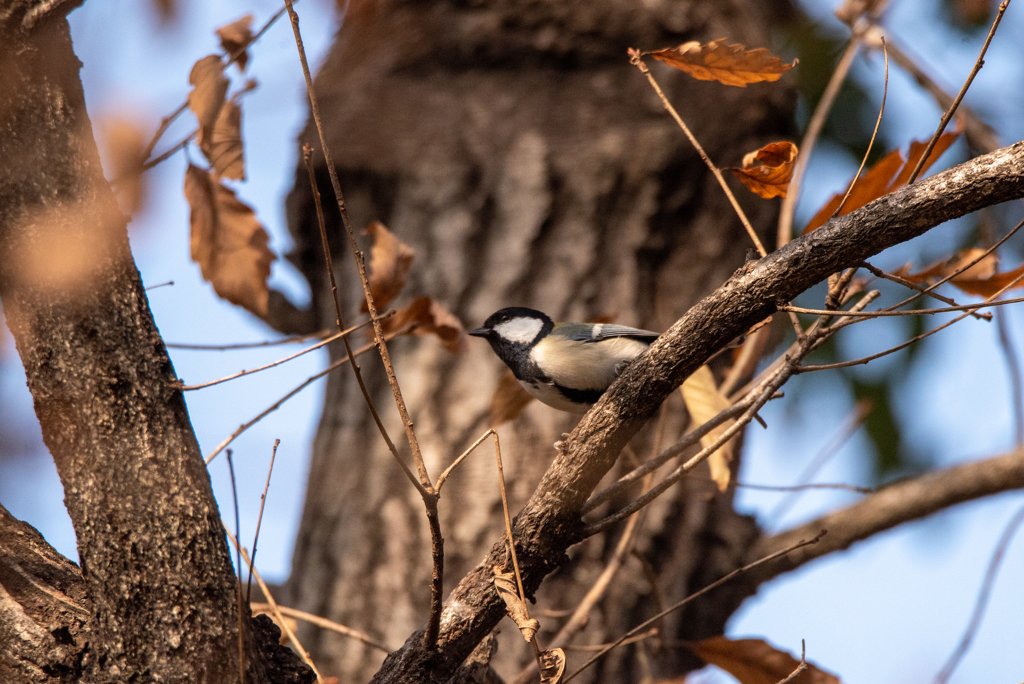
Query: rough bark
column 156, row 571
column 515, row 148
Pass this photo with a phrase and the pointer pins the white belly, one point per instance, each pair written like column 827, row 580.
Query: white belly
column 552, row 397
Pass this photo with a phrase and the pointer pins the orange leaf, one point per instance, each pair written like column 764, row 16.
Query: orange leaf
column 234, row 36
column 426, row 317
column 980, row 279
column 753, row 661
column 228, row 243
column 390, row 259
column 767, row 171
column 223, row 148
column 509, row 400
column 729, row 64
column 888, row 174
column 209, row 86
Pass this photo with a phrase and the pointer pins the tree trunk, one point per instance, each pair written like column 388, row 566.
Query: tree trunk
column 156, row 580
column 527, row 162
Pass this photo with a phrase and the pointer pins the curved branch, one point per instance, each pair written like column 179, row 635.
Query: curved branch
column 550, row 522
column 898, row 503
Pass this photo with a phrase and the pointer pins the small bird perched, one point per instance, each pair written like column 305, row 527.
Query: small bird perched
column 565, row 365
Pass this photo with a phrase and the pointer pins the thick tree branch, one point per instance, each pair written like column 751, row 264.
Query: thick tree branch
column 550, row 522
column 155, row 565
column 898, row 503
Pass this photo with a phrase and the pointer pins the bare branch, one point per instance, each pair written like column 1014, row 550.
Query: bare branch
column 899, row 503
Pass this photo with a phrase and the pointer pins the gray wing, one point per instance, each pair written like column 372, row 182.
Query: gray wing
column 603, row 331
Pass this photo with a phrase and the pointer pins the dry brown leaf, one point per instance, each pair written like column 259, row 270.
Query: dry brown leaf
column 552, row 665
column 704, row 402
column 767, row 171
column 509, row 400
column 507, row 588
column 223, row 148
column 234, row 36
column 888, row 174
column 427, row 317
column 981, row 279
column 228, row 242
column 209, row 86
column 753, row 661
column 733, row 65
column 124, row 144
column 390, row 259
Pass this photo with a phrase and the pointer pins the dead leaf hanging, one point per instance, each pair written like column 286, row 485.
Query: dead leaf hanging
column 704, row 402
column 390, row 259
column 767, row 171
column 981, row 279
column 425, row 316
column 223, row 148
column 509, row 400
column 507, row 588
column 209, row 86
column 753, row 661
column 888, row 174
column 551, row 663
column 236, row 36
column 733, row 65
column 228, row 242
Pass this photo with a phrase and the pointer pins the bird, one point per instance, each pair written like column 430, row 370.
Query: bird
column 567, row 366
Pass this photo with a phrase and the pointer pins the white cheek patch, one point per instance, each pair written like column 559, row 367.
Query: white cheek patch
column 522, row 330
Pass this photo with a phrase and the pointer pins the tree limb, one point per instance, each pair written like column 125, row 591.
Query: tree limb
column 550, row 522
column 898, row 503
column 155, row 564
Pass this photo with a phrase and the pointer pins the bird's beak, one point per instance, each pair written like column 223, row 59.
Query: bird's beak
column 479, row 332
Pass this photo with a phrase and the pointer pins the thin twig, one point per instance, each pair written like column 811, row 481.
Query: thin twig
column 511, row 541
column 238, row 574
column 814, row 127
column 916, row 312
column 426, row 490
column 850, row 426
column 979, row 134
column 983, row 594
column 153, row 287
column 637, row 61
column 795, row 488
column 691, row 597
column 294, row 339
column 1013, row 369
column 307, row 153
column 866, row 359
column 464, row 454
column 166, row 122
column 962, row 269
column 879, row 273
column 277, row 404
column 282, row 623
column 357, row 253
column 242, row 374
column 799, row 668
column 259, row 519
column 677, row 474
column 325, row 623
column 871, row 143
column 960, row 96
